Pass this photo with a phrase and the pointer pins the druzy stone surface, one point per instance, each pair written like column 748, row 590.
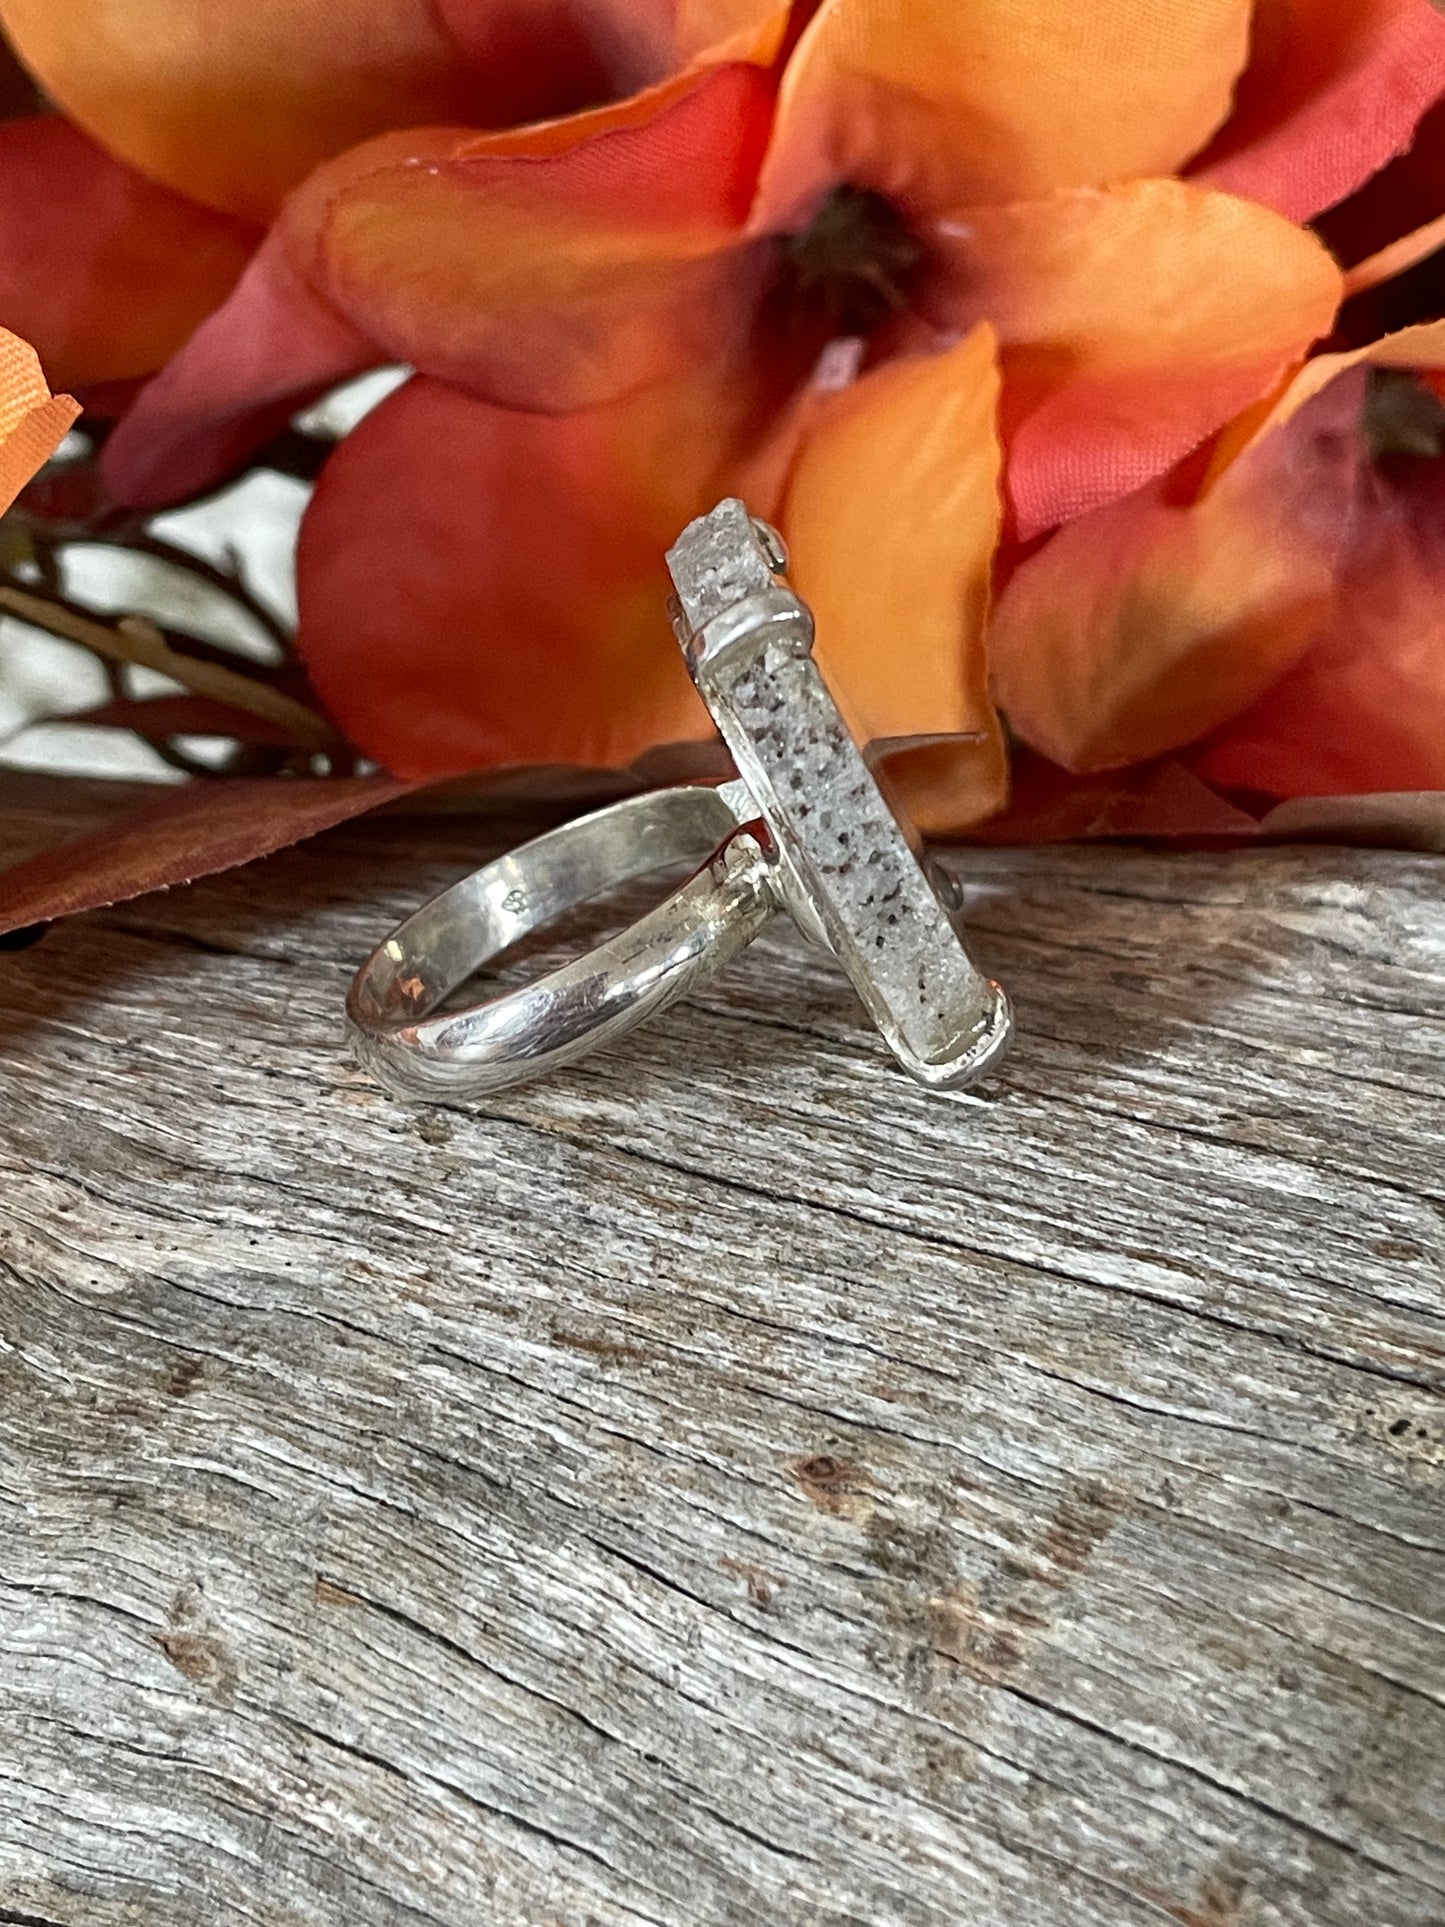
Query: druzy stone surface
column 850, row 864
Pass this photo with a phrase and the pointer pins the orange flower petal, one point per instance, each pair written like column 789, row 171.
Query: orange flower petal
column 559, row 268
column 33, row 422
column 607, row 47
column 891, row 518
column 482, row 587
column 104, row 272
column 1133, row 320
column 233, row 104
column 1147, row 624
column 1333, row 90
column 553, row 268
column 939, row 105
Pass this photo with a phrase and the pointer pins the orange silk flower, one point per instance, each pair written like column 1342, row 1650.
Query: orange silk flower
column 1002, row 312
column 33, row 422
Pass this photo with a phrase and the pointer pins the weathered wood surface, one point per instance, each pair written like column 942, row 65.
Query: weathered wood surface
column 727, row 1485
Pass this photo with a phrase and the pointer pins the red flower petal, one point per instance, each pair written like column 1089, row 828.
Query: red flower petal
column 104, row 272
column 1402, row 198
column 481, row 587
column 1333, row 91
column 1365, row 709
column 237, row 382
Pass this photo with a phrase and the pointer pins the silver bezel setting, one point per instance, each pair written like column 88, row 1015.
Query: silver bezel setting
column 851, row 869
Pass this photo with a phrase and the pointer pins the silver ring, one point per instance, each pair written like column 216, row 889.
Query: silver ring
column 523, row 1033
column 807, row 827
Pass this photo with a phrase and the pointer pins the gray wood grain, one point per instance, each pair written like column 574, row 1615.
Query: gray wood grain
column 727, row 1484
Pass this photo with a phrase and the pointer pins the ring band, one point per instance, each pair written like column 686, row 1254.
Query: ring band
column 524, row 1033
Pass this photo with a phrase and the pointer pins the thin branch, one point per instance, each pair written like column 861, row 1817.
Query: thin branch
column 138, row 640
column 227, row 580
column 49, row 538
column 240, row 760
column 295, row 453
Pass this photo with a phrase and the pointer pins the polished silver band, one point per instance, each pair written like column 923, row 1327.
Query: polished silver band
column 523, row 1033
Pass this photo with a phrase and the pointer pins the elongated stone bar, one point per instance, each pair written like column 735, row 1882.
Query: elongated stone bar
column 851, row 867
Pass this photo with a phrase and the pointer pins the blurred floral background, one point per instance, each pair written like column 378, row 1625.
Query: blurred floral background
column 1091, row 360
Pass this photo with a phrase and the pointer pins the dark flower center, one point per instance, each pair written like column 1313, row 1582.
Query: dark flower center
column 853, row 266
column 1403, row 417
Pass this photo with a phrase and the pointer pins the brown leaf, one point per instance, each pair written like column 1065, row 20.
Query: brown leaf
column 1162, row 799
column 155, row 719
column 188, row 832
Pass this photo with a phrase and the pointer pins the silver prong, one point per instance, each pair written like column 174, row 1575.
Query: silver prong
column 774, row 547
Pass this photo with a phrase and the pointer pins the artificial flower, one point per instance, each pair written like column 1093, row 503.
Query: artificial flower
column 1280, row 619
column 33, row 422
column 957, row 296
